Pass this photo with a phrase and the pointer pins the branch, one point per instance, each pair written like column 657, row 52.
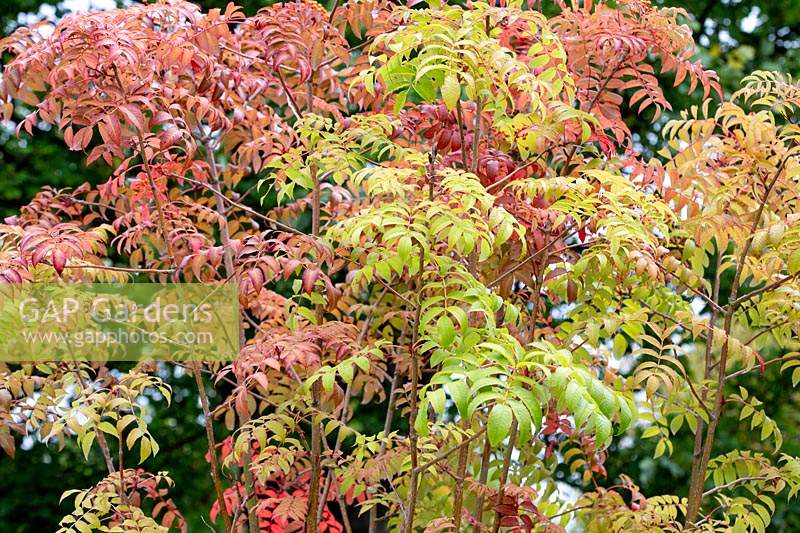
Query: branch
column 504, row 476
column 689, row 382
column 533, row 256
column 698, row 436
column 766, row 288
column 230, row 271
column 508, row 176
column 212, row 447
column 161, row 220
column 696, row 486
column 476, row 138
column 482, row 477
column 284, row 227
column 743, row 371
column 460, row 119
column 314, row 499
column 387, row 425
column 768, row 329
column 355, row 48
column 343, row 417
column 289, row 98
column 707, row 299
column 594, row 100
column 215, row 470
column 733, row 483
column 123, row 269
column 570, row 511
column 99, row 435
column 277, row 225
column 458, row 496
column 408, row 521
column 441, row 456
column 99, row 205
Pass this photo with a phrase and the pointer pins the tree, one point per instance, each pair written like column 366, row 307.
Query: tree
column 484, row 248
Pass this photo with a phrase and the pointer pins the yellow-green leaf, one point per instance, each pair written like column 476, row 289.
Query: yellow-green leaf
column 451, row 91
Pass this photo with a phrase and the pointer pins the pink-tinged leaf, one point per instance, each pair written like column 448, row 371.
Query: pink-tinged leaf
column 134, row 116
column 241, row 403
column 59, row 259
column 310, row 277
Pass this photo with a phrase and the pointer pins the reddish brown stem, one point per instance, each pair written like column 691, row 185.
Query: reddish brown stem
column 461, row 135
column 212, row 446
column 483, row 476
column 312, row 514
column 476, row 129
column 387, row 426
column 162, row 221
column 230, row 272
column 504, row 475
column 458, row 493
column 408, row 521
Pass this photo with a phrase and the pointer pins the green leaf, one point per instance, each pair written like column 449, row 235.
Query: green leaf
column 362, row 363
column 426, row 86
column 499, row 424
column 346, row 371
column 400, row 101
column 86, row 443
column 660, row 449
column 421, row 423
column 675, row 424
column 603, row 398
column 107, row 427
column 445, row 330
column 144, row 449
column 369, row 84
column 626, row 416
column 586, row 132
column 328, row 379
column 459, row 392
column 404, row 248
column 620, row 345
column 523, row 417
column 652, row 431
column 602, row 427
column 451, row 91
column 794, row 262
column 437, row 399
column 133, row 436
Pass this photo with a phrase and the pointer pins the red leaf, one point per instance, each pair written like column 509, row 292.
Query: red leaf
column 59, row 260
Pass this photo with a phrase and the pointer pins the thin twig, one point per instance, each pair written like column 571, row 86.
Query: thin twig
column 733, row 483
column 766, row 288
column 441, row 456
column 408, row 521
column 504, row 475
column 782, row 359
column 482, row 478
column 124, row 269
column 387, row 426
column 289, row 97
column 564, row 234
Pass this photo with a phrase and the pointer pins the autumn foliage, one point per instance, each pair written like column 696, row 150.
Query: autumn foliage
column 436, row 211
